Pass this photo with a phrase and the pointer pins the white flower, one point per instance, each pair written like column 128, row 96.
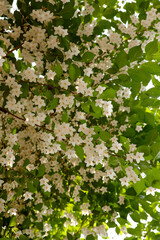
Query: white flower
column 124, row 181
column 51, row 75
column 106, row 208
column 47, row 187
column 151, row 190
column 139, row 128
column 132, row 147
column 47, row 227
column 12, row 211
column 100, row 89
column 43, row 181
column 30, row 167
column 88, row 71
column 64, row 83
column 139, row 157
column 27, row 195
column 116, row 147
column 60, row 31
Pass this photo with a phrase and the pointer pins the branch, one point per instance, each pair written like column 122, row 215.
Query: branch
column 23, row 119
column 14, row 49
column 115, row 155
column 6, row 111
column 35, row 83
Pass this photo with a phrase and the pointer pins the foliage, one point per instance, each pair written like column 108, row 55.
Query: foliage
column 80, row 132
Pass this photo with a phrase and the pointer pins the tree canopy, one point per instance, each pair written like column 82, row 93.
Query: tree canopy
column 79, row 128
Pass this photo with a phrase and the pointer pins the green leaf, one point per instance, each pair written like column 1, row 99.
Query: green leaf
column 136, row 86
column 135, row 231
column 155, row 81
column 31, row 188
column 14, row 130
column 6, row 67
column 140, row 186
column 69, row 236
column 39, row 225
column 149, row 118
column 145, row 149
column 41, row 171
column 146, row 206
column 152, row 175
column 130, row 132
column 135, row 53
column 88, row 57
column 24, row 89
column 99, row 166
column 134, row 204
column 109, row 93
column 26, row 162
column 157, row 157
column 53, row 104
column 96, row 111
column 113, row 162
column 90, row 237
column 65, row 117
column 10, row 120
column 63, row 145
column 139, row 75
column 102, row 25
column 49, row 95
column 151, row 48
column 19, row 192
column 110, row 2
column 151, row 67
column 5, row 239
column 109, row 13
column 122, row 59
column 18, row 65
column 122, row 221
column 86, row 107
column 68, row 11
column 38, row 206
column 47, row 119
column 155, row 148
column 18, row 18
column 79, row 151
column 73, row 73
column 156, row 55
column 13, row 221
column 143, row 215
column 154, row 92
column 22, row 237
column 130, row 191
column 58, row 70
column 105, row 136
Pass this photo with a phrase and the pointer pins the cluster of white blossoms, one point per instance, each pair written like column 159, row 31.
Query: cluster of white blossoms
column 41, row 16
column 67, row 125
